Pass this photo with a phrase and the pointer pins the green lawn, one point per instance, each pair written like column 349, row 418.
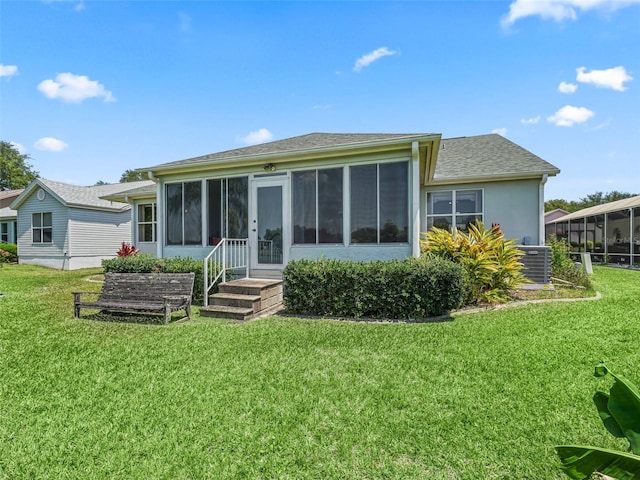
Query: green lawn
column 485, row 396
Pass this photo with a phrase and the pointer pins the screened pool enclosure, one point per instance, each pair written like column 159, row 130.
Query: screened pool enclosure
column 610, row 232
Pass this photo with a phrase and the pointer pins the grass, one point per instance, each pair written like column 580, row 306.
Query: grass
column 485, row 396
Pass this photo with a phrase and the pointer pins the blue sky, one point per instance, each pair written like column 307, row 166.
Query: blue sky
column 90, row 89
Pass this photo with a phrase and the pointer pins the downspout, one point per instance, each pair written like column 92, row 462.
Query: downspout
column 159, row 216
column 541, row 232
column 415, row 199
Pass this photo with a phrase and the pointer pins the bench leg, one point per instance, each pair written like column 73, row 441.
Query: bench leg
column 76, row 311
column 167, row 315
column 188, row 309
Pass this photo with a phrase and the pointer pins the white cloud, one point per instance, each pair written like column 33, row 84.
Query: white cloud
column 8, row 70
column 565, row 87
column 50, row 144
column 500, row 131
column 19, row 147
column 185, row 22
column 559, row 10
column 74, row 88
column 569, row 115
column 79, row 5
column 369, row 58
column 530, row 121
column 258, row 136
column 613, row 78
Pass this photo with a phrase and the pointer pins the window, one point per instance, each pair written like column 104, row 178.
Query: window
column 380, row 203
column 42, row 227
column 4, row 232
column 184, row 213
column 318, row 206
column 228, row 208
column 147, row 222
column 441, row 214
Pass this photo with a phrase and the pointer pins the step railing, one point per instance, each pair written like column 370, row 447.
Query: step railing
column 228, row 254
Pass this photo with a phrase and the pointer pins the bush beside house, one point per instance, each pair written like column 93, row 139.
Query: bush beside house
column 397, row 289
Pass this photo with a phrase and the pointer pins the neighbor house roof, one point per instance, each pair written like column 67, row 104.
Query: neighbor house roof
column 487, row 157
column 6, row 198
column 83, row 197
column 300, row 146
column 623, row 204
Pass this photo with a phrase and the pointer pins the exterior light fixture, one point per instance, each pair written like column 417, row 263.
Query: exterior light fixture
column 269, row 167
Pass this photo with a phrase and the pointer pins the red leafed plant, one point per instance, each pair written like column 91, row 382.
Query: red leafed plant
column 127, row 250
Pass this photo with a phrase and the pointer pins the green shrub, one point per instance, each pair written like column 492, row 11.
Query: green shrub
column 12, row 252
column 492, row 263
column 145, row 263
column 397, row 289
column 563, row 267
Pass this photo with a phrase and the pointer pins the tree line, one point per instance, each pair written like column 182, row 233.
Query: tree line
column 591, row 200
column 16, row 171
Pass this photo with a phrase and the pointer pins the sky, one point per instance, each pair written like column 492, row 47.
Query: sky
column 90, row 89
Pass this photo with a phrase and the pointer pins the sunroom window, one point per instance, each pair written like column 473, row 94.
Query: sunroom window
column 184, row 213
column 380, row 203
column 318, row 206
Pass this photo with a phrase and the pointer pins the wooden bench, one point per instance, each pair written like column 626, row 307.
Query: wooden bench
column 141, row 292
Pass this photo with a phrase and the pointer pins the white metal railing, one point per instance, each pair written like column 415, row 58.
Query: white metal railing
column 228, row 254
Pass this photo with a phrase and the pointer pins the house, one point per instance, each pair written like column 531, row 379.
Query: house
column 549, row 226
column 68, row 227
column 8, row 216
column 345, row 196
column 609, row 232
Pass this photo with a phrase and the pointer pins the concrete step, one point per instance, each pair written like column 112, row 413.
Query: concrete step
column 244, row 298
column 236, row 300
column 224, row 311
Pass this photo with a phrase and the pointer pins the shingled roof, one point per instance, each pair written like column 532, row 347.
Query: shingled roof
column 300, row 144
column 84, row 197
column 485, row 156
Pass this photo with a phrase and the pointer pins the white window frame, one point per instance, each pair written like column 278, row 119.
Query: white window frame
column 42, row 227
column 453, row 213
column 153, row 222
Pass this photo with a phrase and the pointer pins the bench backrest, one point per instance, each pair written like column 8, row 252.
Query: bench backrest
column 145, row 287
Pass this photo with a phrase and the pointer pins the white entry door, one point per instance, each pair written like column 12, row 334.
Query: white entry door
column 269, row 233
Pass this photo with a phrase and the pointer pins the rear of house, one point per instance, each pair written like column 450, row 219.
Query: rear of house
column 346, row 196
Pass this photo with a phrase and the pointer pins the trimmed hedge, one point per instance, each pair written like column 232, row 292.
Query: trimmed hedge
column 144, row 263
column 397, row 289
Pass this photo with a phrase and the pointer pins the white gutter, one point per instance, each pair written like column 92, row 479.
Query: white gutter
column 541, row 232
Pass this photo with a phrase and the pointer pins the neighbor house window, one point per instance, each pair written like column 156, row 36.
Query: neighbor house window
column 317, row 206
column 458, row 208
column 184, row 213
column 4, row 232
column 42, row 227
column 147, row 222
column 380, row 203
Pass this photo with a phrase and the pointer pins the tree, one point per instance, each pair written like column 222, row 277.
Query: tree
column 15, row 172
column 101, row 182
column 591, row 200
column 132, row 176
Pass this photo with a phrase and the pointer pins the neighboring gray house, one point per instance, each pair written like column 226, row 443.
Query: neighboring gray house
column 69, row 227
column 348, row 196
column 8, row 216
